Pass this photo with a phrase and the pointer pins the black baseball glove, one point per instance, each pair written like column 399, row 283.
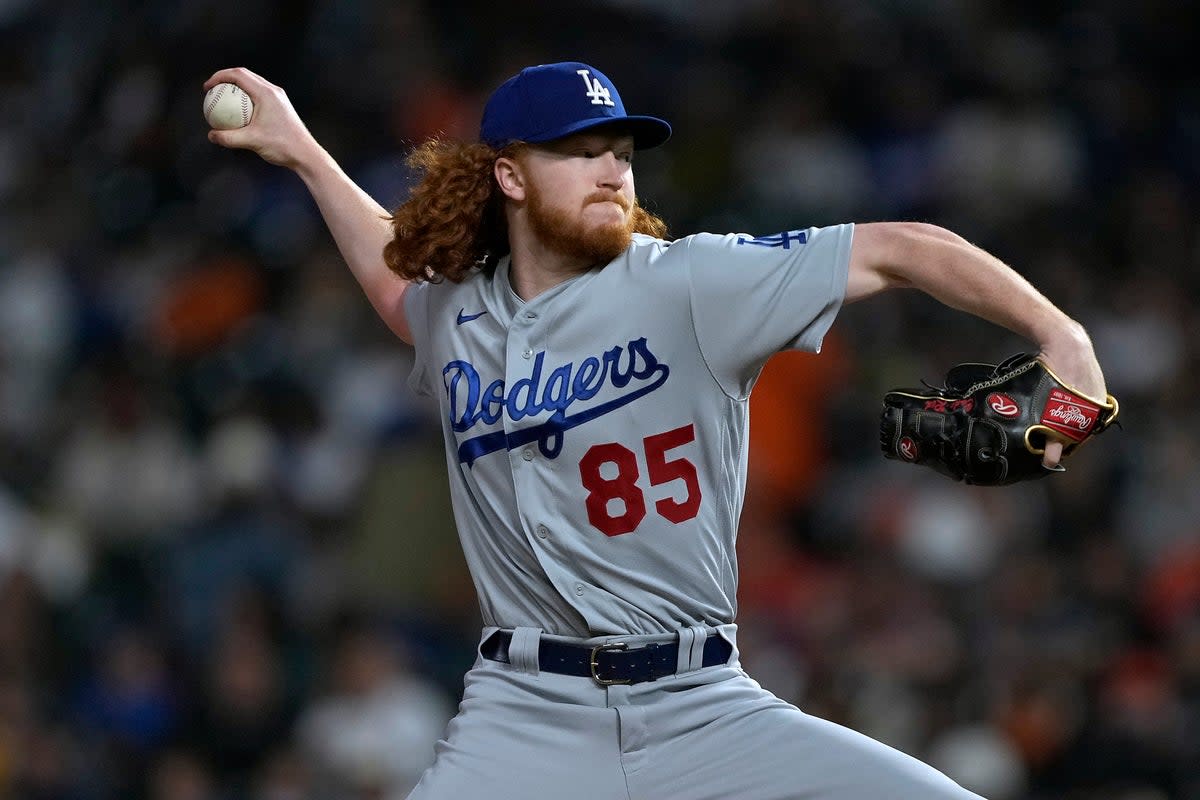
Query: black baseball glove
column 988, row 425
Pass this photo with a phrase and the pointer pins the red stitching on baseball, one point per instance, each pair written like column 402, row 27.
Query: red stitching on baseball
column 212, row 101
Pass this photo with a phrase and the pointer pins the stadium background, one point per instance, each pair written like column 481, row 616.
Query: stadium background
column 227, row 566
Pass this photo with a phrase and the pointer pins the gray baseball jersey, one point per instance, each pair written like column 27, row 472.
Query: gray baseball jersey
column 596, row 435
column 596, row 439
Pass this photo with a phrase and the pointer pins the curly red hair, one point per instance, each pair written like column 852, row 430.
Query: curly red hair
column 453, row 221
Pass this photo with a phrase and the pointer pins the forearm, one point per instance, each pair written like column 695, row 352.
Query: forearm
column 360, row 228
column 963, row 276
column 359, row 225
column 945, row 266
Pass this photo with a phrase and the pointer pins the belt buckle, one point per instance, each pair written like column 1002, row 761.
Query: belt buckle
column 594, row 664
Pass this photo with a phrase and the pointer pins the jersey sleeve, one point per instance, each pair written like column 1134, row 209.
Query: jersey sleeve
column 416, row 309
column 754, row 296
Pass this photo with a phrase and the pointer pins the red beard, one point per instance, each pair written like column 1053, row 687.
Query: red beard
column 571, row 236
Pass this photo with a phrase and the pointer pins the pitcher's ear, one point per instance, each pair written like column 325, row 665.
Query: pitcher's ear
column 510, row 177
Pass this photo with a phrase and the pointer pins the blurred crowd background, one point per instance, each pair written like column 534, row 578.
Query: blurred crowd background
column 227, row 565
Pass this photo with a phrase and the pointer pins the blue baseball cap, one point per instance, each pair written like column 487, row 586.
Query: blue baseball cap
column 550, row 101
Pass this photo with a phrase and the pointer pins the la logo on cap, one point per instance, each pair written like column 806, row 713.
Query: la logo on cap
column 543, row 103
column 595, row 89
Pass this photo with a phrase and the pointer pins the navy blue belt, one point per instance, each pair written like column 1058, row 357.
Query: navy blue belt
column 608, row 664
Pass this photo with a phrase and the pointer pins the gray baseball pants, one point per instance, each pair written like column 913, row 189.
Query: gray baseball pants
column 703, row 733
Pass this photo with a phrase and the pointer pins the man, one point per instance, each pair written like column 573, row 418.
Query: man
column 593, row 383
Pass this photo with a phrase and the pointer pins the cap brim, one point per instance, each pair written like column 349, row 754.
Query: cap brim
column 647, row 132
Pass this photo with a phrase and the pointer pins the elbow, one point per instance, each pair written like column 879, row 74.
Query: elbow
column 894, row 255
column 917, row 245
column 916, row 240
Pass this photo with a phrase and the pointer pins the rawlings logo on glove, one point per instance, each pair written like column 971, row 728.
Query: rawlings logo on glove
column 988, row 425
column 1003, row 405
column 1070, row 415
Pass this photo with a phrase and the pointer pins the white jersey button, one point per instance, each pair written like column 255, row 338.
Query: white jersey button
column 527, row 454
column 579, row 589
column 530, row 315
column 542, row 531
column 527, row 354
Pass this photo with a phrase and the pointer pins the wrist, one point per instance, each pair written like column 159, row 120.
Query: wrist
column 1062, row 334
column 314, row 163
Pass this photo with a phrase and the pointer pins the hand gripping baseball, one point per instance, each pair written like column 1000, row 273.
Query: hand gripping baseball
column 991, row 424
column 276, row 132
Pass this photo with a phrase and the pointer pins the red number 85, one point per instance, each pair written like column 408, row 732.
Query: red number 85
column 624, row 486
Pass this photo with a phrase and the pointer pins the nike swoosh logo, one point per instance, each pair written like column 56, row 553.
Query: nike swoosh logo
column 468, row 317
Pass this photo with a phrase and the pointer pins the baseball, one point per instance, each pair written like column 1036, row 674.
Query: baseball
column 226, row 106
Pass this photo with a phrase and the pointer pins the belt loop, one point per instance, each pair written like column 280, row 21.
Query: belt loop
column 523, row 649
column 698, row 646
column 691, row 649
column 728, row 632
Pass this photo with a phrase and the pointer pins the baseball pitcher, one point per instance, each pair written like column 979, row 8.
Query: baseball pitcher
column 593, row 380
